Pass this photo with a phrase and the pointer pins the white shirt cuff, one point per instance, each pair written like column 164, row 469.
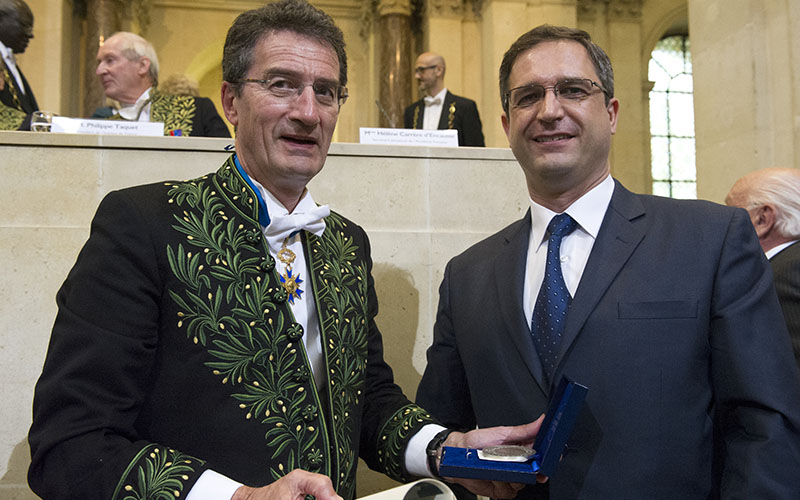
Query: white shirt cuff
column 416, row 459
column 213, row 486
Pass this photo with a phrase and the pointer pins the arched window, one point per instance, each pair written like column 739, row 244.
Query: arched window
column 672, row 153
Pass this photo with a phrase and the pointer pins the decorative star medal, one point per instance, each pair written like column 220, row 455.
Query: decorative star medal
column 290, row 283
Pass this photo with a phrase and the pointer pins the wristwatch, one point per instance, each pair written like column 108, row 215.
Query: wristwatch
column 432, row 451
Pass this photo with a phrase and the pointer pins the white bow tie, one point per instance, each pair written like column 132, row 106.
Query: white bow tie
column 282, row 226
column 430, row 101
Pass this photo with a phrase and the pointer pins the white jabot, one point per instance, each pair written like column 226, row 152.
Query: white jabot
column 138, row 111
column 11, row 64
column 281, row 226
column 433, row 110
column 588, row 211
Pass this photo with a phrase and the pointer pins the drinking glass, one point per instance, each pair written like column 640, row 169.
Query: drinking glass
column 41, row 121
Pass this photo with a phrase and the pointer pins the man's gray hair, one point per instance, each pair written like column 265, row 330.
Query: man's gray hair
column 779, row 187
column 135, row 47
column 296, row 16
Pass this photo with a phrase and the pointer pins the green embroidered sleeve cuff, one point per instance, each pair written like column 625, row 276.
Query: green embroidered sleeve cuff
column 394, row 438
column 158, row 472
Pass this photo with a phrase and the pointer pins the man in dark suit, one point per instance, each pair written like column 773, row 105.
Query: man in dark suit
column 772, row 198
column 127, row 66
column 216, row 338
column 664, row 308
column 17, row 101
column 439, row 108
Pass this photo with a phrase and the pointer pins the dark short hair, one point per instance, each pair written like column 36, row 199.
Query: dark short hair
column 549, row 33
column 297, row 16
column 14, row 14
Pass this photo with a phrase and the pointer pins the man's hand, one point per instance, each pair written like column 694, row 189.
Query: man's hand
column 493, row 436
column 293, row 486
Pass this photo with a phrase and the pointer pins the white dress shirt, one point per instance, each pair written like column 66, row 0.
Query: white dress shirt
column 588, row 211
column 11, row 64
column 433, row 110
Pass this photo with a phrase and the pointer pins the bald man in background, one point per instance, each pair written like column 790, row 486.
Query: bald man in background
column 772, row 198
column 439, row 108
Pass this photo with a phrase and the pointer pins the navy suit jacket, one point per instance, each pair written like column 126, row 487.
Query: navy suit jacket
column 458, row 113
column 676, row 330
column 786, row 269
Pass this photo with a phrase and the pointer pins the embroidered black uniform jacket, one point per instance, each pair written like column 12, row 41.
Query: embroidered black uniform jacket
column 175, row 350
column 15, row 106
column 458, row 113
column 182, row 115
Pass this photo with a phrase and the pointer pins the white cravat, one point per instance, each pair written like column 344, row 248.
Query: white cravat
column 11, row 64
column 433, row 111
column 310, row 217
column 138, row 111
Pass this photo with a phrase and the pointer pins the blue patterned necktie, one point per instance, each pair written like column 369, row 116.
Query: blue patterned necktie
column 550, row 311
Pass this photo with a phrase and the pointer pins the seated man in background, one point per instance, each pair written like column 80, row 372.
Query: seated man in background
column 16, row 97
column 128, row 69
column 439, row 108
column 772, row 198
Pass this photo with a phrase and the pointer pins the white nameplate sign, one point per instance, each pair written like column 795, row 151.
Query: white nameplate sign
column 408, row 137
column 108, row 127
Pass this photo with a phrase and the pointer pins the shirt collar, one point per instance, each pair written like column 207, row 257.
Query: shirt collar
column 7, row 54
column 772, row 252
column 588, row 211
column 439, row 96
column 133, row 111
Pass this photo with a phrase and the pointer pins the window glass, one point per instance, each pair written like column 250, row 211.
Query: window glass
column 672, row 146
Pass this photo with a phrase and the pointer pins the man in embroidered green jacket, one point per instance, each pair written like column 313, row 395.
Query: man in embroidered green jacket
column 16, row 96
column 127, row 66
column 216, row 337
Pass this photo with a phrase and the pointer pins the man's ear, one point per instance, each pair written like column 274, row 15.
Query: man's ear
column 763, row 218
column 228, row 95
column 144, row 66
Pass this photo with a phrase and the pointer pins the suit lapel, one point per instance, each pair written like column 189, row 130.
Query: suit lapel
column 444, row 118
column 419, row 114
column 28, row 101
column 617, row 239
column 509, row 277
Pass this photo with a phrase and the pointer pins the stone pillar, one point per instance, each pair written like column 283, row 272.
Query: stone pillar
column 394, row 47
column 102, row 20
column 630, row 150
column 746, row 93
column 503, row 22
column 442, row 34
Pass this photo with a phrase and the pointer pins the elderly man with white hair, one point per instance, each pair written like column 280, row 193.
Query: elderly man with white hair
column 127, row 66
column 772, row 198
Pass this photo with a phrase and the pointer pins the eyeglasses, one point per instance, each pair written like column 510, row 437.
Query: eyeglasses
column 420, row 69
column 284, row 89
column 571, row 90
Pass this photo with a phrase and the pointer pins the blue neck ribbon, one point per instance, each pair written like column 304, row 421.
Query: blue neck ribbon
column 263, row 213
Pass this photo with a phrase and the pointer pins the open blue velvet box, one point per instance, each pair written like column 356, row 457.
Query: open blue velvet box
column 562, row 412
